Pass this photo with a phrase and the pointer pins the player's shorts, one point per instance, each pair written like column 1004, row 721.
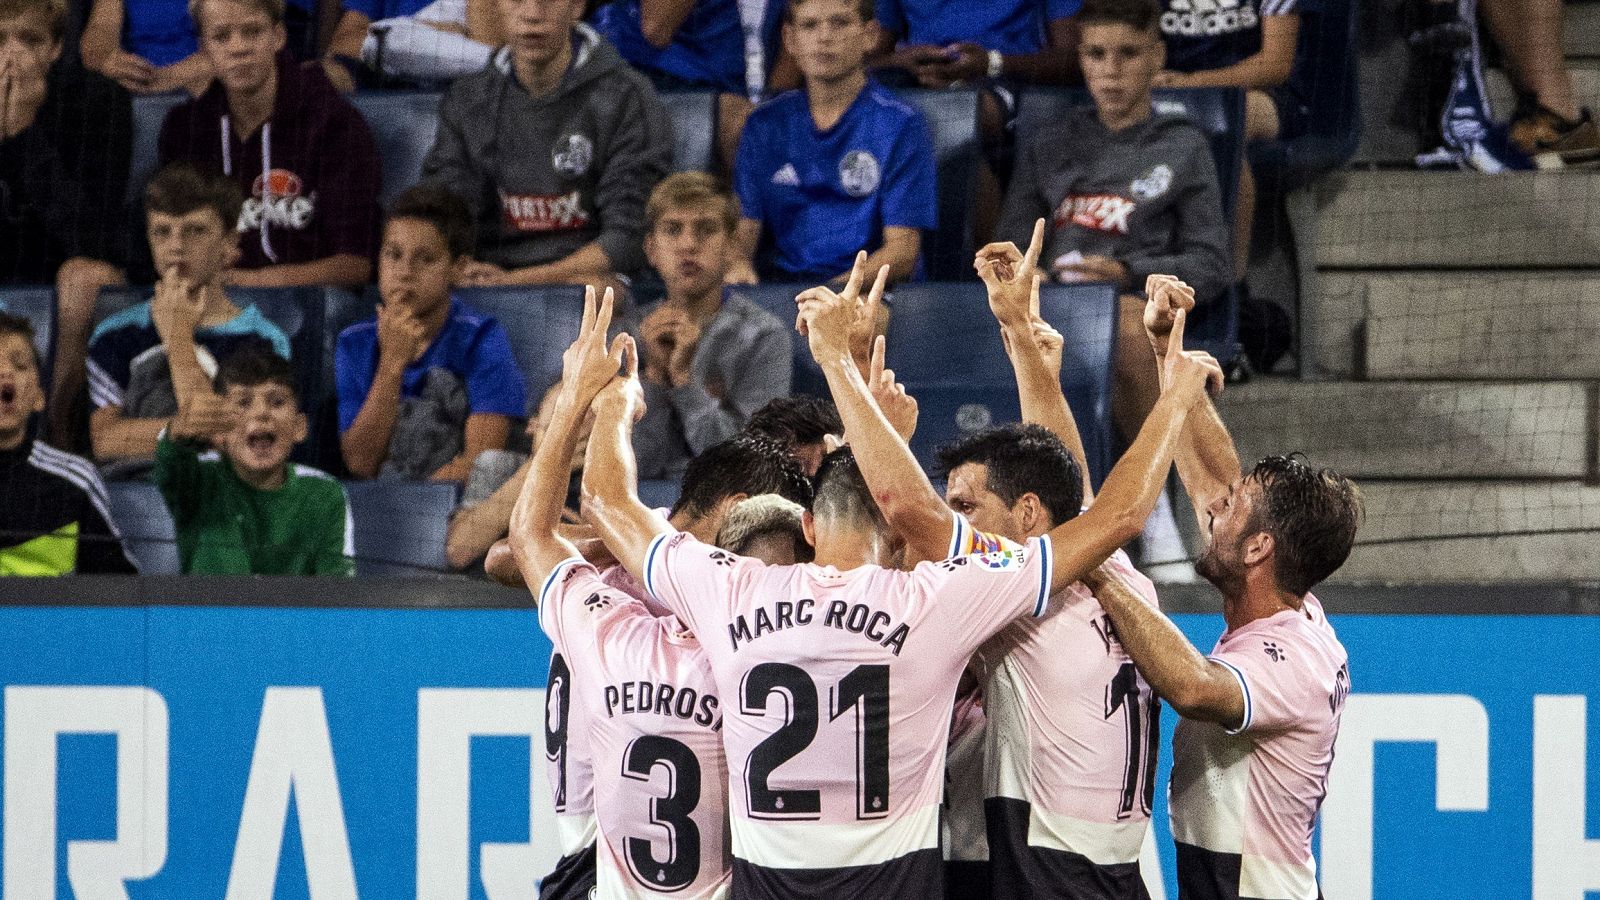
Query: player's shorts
column 572, row 879
column 1017, row 869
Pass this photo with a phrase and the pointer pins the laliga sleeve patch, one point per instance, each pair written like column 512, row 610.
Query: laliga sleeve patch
column 1006, row 559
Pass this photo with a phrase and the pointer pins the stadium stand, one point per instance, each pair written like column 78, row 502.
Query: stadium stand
column 400, row 525
column 403, row 124
column 540, row 321
column 952, row 117
column 38, row 306
column 778, row 299
column 141, row 515
column 694, row 122
column 148, row 114
column 659, row 493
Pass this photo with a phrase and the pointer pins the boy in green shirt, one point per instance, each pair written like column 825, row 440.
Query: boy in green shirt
column 247, row 510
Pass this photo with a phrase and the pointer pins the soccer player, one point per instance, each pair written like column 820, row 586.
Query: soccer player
column 845, row 672
column 839, row 165
column 645, row 698
column 1261, row 712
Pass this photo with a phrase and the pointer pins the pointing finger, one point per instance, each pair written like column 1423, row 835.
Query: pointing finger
column 858, row 274
column 1030, row 260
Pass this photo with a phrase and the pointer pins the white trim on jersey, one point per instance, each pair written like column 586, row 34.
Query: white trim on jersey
column 779, row 845
column 1042, row 603
column 550, row 582
column 80, row 472
column 1262, row 877
column 1279, row 8
column 1243, row 686
column 575, row 832
column 1100, row 843
column 957, row 537
column 650, row 562
column 103, row 389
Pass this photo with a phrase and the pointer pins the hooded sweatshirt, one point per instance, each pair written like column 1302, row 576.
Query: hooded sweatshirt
column 547, row 175
column 1145, row 196
column 310, row 174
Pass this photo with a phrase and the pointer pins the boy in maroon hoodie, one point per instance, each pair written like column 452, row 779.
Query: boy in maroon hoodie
column 301, row 154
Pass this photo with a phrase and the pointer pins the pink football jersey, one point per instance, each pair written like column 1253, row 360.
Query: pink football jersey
column 1071, row 753
column 1245, row 801
column 654, row 737
column 839, row 689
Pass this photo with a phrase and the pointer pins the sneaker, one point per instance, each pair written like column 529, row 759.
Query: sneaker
column 1554, row 142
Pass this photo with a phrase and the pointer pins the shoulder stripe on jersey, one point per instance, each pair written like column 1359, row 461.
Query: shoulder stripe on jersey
column 550, row 580
column 1045, row 567
column 958, row 536
column 103, row 389
column 81, row 473
column 650, row 563
column 1244, row 686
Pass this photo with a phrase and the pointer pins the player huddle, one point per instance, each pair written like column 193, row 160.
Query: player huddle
column 720, row 725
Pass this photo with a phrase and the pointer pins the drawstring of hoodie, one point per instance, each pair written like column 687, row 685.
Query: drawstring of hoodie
column 266, row 176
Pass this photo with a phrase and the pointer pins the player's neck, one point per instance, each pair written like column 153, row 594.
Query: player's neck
column 847, row 549
column 1257, row 597
column 830, row 98
column 701, row 528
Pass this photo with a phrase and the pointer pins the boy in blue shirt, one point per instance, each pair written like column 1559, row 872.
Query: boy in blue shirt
column 838, row 166
column 429, row 383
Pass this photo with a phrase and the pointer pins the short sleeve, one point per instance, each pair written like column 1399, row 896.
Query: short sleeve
column 693, row 580
column 1280, row 8
column 984, row 591
column 747, row 182
column 494, row 383
column 352, row 372
column 1277, row 687
column 910, row 197
column 571, row 602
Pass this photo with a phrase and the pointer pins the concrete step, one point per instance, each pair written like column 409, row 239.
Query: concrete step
column 1585, row 86
column 1462, row 325
column 1419, row 429
column 1443, row 531
column 1580, row 35
column 1398, row 220
column 1331, row 323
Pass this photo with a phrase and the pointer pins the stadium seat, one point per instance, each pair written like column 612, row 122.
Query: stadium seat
column 659, row 493
column 694, row 123
column 778, row 299
column 141, row 515
column 542, row 321
column 403, row 125
column 952, row 117
column 37, row 304
column 1326, row 63
column 400, row 525
column 298, row 311
column 148, row 114
column 944, row 346
column 1219, row 113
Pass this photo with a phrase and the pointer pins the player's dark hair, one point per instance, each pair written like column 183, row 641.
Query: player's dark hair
column 180, row 189
column 253, row 363
column 1312, row 515
column 1022, row 458
column 1140, row 15
column 17, row 325
column 842, row 491
column 792, row 421
column 868, row 10
column 441, row 208
column 743, row 464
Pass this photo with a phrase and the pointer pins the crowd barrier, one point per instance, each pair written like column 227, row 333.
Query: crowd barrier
column 309, row 739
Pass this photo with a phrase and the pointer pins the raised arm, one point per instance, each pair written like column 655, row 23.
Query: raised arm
column 1198, row 688
column 1012, row 279
column 1208, row 463
column 1130, row 491
column 586, row 367
column 611, row 474
column 910, row 505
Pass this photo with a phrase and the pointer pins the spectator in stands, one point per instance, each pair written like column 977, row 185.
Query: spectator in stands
column 302, row 155
column 555, row 146
column 1549, row 124
column 55, row 519
column 411, row 40
column 834, row 167
column 190, row 224
column 429, row 383
column 1126, row 193
column 769, row 528
column 996, row 45
column 1250, row 45
column 801, row 423
column 249, row 511
column 151, row 47
column 66, row 135
column 708, row 363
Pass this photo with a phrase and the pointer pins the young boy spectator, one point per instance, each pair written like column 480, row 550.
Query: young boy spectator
column 1248, row 45
column 249, row 511
column 150, row 47
column 997, row 45
column 708, row 363
column 55, row 519
column 429, row 383
column 301, row 154
column 834, row 167
column 1126, row 193
column 555, row 147
column 65, row 140
column 190, row 224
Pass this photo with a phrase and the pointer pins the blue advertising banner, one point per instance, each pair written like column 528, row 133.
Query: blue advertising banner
column 252, row 753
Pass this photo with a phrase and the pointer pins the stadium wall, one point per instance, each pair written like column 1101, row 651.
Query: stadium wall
column 285, row 738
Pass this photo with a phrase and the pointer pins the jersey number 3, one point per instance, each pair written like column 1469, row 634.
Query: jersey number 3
column 671, row 812
column 864, row 692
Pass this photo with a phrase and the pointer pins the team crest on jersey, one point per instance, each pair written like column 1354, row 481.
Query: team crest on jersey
column 859, row 173
column 1004, row 559
column 572, row 155
column 1153, row 184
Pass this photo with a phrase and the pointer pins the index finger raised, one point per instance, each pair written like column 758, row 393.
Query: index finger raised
column 1030, row 259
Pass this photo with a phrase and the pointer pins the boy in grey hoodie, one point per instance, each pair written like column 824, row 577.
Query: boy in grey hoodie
column 555, row 146
column 1125, row 192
